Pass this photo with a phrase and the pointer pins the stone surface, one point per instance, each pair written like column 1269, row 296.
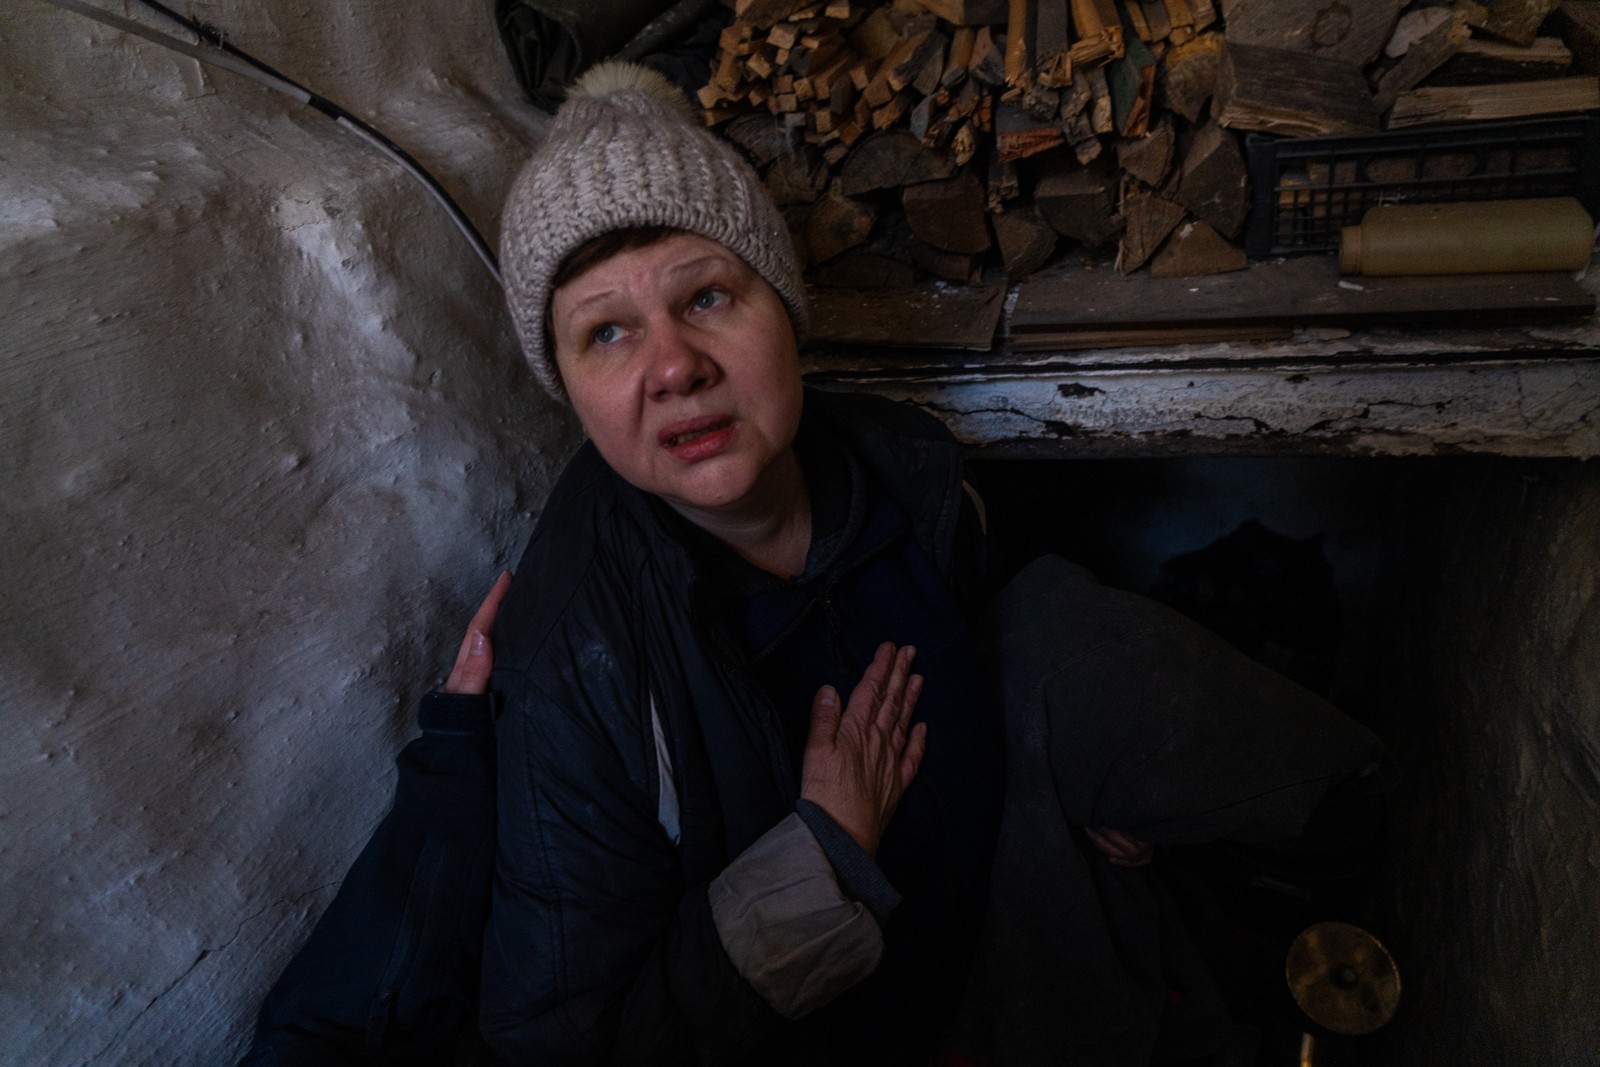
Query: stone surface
column 265, row 439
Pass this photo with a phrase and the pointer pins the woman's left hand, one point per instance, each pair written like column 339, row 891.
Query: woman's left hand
column 470, row 675
column 1119, row 848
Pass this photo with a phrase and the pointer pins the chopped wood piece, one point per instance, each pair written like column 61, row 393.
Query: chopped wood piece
column 797, row 178
column 1423, row 40
column 1195, row 250
column 1132, row 80
column 866, row 268
column 874, row 36
column 1205, row 14
column 891, row 159
column 837, row 224
column 783, row 35
column 1215, row 184
column 1187, row 77
column 1098, row 28
column 988, row 64
column 762, row 138
column 948, row 214
column 1147, row 220
column 1100, row 113
column 1149, row 158
column 1019, row 135
column 1026, row 241
column 1518, row 21
column 1019, row 46
column 1354, row 32
column 764, row 13
column 1579, row 23
column 838, row 9
column 1079, row 202
column 968, row 12
column 1134, row 10
column 1271, row 90
column 959, row 267
column 1509, row 100
column 891, row 113
column 1003, row 185
column 960, row 57
column 1481, row 61
column 1052, row 46
column 1154, row 13
column 964, row 144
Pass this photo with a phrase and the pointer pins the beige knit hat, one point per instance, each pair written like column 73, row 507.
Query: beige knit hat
column 625, row 151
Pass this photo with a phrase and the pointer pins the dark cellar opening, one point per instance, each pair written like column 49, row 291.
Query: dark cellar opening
column 1442, row 602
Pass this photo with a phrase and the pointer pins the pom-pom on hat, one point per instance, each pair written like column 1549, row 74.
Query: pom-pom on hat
column 625, row 151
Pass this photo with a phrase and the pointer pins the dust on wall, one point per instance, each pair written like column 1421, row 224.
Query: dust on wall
column 265, row 438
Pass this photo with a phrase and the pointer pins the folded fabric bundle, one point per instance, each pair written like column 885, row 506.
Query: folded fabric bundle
column 551, row 42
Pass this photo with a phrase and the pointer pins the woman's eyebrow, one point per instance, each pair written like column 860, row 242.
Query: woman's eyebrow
column 697, row 263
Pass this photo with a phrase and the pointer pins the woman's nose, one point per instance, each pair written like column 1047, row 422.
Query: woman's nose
column 679, row 362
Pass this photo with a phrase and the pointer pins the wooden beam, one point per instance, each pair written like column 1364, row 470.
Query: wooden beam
column 1272, row 90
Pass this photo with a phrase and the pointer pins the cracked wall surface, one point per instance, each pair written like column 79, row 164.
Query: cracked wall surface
column 265, row 439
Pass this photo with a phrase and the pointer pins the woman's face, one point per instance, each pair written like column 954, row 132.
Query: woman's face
column 681, row 364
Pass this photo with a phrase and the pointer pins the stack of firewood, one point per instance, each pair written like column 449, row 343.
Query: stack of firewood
column 910, row 137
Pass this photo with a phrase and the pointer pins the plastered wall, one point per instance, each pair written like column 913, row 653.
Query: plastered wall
column 265, row 438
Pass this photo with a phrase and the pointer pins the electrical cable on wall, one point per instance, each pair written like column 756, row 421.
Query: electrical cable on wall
column 209, row 47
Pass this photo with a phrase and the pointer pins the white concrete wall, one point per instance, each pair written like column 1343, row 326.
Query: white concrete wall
column 265, row 437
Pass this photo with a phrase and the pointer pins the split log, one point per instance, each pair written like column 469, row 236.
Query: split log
column 1478, row 62
column 968, row 12
column 1518, row 21
column 1079, row 202
column 1579, row 23
column 1003, row 185
column 1215, row 182
column 959, row 267
column 1149, row 158
column 1026, row 240
column 1147, row 220
column 1187, row 75
column 1132, row 80
column 1018, row 45
column 764, row 13
column 1018, row 134
column 1052, row 56
column 763, row 138
column 891, row 159
column 1195, row 250
column 1422, row 41
column 959, row 58
column 1353, row 31
column 1098, row 28
column 1297, row 93
column 988, row 65
column 1509, row 100
column 948, row 214
column 1100, row 113
column 837, row 224
column 797, row 178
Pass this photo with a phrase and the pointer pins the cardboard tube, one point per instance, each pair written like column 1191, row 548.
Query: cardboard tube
column 1487, row 237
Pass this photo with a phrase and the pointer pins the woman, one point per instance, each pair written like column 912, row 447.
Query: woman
column 699, row 854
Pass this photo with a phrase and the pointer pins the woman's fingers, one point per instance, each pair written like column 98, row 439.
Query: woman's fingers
column 1121, row 849
column 474, row 659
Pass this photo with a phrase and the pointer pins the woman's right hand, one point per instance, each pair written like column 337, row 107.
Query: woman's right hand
column 474, row 660
column 857, row 765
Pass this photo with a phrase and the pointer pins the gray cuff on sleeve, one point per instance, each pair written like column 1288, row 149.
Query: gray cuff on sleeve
column 787, row 927
column 859, row 876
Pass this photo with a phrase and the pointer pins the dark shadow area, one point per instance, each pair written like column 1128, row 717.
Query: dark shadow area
column 1377, row 583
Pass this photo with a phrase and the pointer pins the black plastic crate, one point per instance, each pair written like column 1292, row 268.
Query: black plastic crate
column 1305, row 190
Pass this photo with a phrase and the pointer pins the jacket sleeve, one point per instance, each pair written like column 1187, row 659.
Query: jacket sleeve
column 596, row 952
column 390, row 972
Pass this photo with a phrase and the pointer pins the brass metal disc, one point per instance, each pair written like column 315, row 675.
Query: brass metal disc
column 1343, row 978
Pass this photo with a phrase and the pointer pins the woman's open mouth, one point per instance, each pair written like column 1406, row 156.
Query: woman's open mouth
column 698, row 438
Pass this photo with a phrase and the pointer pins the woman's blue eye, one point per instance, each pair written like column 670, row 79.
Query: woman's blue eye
column 605, row 334
column 706, row 298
